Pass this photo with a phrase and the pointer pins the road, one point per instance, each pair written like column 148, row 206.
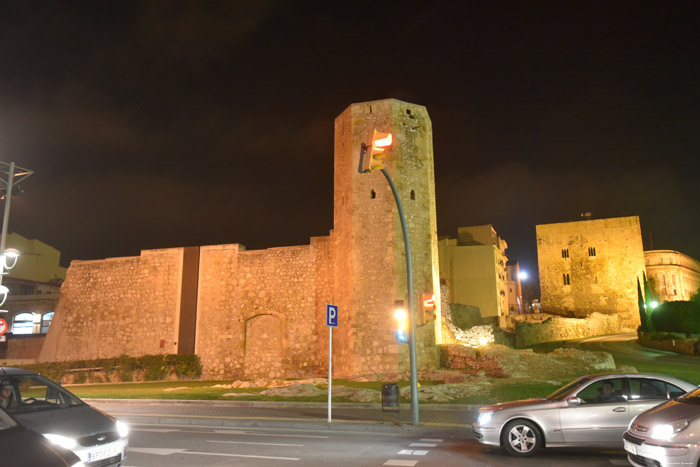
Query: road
column 176, row 445
column 626, row 346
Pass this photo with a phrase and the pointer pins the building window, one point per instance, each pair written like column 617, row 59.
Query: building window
column 372, row 194
column 591, row 251
column 565, row 253
column 567, row 281
column 23, row 323
column 413, row 195
column 46, row 322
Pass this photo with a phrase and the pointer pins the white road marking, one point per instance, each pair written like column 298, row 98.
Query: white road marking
column 262, row 444
column 157, row 451
column 422, row 445
column 400, row 462
column 409, row 452
column 241, row 455
column 428, row 440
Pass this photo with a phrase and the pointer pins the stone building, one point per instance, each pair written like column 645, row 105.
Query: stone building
column 591, row 266
column 261, row 313
column 672, row 275
column 474, row 267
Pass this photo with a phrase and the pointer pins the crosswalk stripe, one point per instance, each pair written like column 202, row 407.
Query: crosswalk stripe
column 400, row 462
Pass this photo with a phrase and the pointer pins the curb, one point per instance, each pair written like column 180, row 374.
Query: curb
column 276, row 404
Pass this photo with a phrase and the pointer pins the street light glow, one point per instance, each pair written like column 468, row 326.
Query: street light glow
column 522, row 275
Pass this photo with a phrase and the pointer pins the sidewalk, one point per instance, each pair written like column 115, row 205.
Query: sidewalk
column 305, row 415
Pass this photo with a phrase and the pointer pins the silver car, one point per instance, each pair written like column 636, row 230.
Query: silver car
column 666, row 435
column 45, row 407
column 593, row 410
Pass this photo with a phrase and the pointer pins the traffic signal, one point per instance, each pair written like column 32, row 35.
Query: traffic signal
column 373, row 157
column 401, row 318
column 427, row 307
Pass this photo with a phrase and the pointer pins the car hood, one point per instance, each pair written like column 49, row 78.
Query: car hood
column 516, row 405
column 668, row 412
column 74, row 422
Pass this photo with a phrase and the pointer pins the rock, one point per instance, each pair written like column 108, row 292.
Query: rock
column 295, row 390
column 356, row 394
column 239, row 394
column 175, row 389
column 627, row 369
column 450, row 379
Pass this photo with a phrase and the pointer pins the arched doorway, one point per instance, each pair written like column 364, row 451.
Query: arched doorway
column 264, row 347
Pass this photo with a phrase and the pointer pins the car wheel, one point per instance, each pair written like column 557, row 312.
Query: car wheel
column 521, row 438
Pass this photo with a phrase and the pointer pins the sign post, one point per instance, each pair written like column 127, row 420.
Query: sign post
column 3, row 326
column 331, row 322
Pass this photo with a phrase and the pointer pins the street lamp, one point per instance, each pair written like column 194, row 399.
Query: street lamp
column 9, row 256
column 371, row 159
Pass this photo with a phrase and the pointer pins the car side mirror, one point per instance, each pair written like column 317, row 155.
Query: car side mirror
column 573, row 401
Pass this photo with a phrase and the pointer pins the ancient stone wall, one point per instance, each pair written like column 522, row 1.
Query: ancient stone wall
column 556, row 328
column 117, row 306
column 591, row 266
column 261, row 313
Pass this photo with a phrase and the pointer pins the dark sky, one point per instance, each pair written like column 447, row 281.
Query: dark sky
column 163, row 124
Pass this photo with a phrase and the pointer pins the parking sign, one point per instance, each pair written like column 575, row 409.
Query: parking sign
column 332, row 316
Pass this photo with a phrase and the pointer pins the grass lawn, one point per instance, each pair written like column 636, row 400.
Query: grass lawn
column 502, row 390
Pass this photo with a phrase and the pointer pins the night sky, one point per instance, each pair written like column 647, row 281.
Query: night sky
column 165, row 124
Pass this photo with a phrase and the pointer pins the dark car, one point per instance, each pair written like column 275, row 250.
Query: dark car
column 47, row 408
column 21, row 447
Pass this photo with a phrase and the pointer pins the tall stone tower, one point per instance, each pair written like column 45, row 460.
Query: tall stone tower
column 370, row 260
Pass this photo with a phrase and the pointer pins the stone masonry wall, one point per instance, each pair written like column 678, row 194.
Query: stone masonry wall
column 556, row 328
column 117, row 306
column 591, row 266
column 261, row 313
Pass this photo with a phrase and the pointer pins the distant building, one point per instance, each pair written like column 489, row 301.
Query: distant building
column 474, row 267
column 514, row 291
column 672, row 275
column 591, row 266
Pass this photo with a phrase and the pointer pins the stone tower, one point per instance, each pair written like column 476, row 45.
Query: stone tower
column 370, row 260
column 591, row 266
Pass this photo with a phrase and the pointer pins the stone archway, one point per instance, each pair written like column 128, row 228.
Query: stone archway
column 264, row 347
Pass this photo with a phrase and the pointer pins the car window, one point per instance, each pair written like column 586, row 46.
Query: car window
column 563, row 391
column 645, row 389
column 674, row 391
column 34, row 392
column 607, row 391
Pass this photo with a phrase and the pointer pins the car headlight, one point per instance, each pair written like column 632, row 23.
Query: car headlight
column 123, row 429
column 668, row 430
column 60, row 440
column 484, row 417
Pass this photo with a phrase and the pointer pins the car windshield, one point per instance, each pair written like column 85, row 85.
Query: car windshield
column 693, row 397
column 32, row 392
column 560, row 393
column 6, row 421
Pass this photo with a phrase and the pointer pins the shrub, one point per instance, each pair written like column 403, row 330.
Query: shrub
column 677, row 317
column 150, row 367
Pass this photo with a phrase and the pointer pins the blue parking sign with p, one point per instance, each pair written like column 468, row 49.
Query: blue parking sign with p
column 332, row 316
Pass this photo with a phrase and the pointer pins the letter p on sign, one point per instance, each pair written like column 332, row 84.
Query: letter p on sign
column 332, row 316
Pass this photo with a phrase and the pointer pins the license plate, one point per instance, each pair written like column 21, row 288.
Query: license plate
column 629, row 447
column 102, row 453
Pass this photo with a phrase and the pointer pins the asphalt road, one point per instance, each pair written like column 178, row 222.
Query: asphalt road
column 176, row 445
column 626, row 346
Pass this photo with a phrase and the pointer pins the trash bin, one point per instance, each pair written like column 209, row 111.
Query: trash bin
column 390, row 397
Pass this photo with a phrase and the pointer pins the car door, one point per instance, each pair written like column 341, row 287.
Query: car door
column 600, row 418
column 645, row 393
